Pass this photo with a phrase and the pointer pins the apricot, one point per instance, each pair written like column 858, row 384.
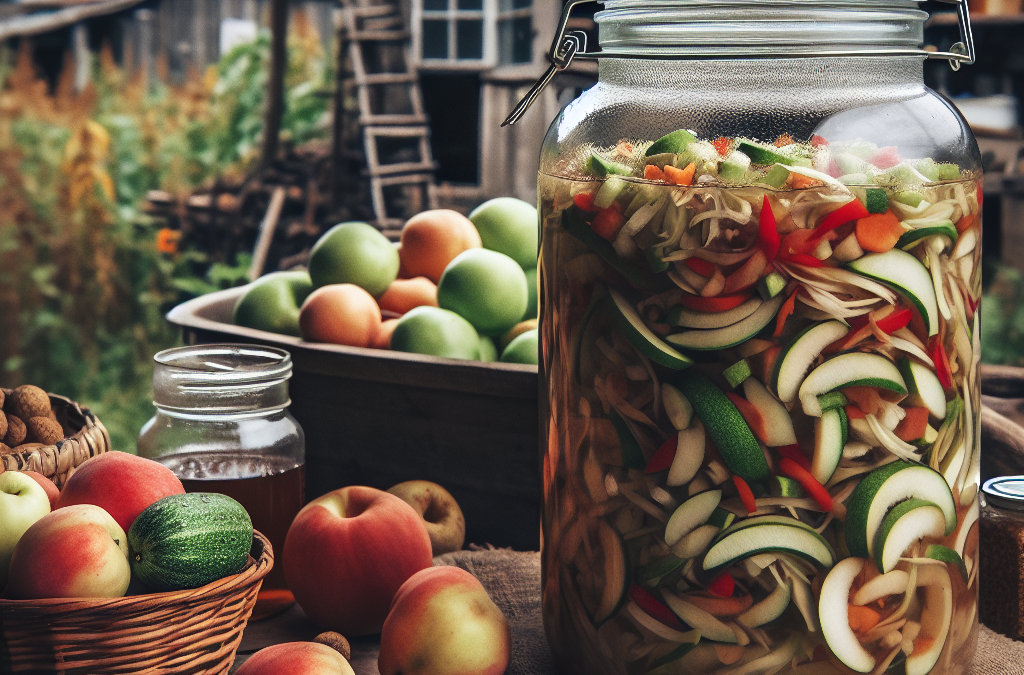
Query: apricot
column 383, row 339
column 405, row 294
column 432, row 239
column 342, row 314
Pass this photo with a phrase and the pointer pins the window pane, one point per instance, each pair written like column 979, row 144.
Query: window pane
column 509, row 5
column 471, row 4
column 435, row 39
column 515, row 40
column 435, row 5
column 470, row 41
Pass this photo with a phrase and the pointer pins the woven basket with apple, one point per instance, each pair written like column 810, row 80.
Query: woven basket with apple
column 102, row 576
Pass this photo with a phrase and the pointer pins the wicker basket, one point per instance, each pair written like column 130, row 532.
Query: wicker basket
column 85, row 436
column 193, row 632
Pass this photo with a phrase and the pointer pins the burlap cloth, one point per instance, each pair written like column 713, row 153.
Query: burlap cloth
column 512, row 578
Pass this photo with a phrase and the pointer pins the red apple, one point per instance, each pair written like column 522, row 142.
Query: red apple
column 76, row 552
column 296, row 658
column 22, row 503
column 51, row 490
column 347, row 553
column 442, row 622
column 122, row 484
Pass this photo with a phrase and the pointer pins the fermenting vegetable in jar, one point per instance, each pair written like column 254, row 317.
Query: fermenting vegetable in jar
column 760, row 276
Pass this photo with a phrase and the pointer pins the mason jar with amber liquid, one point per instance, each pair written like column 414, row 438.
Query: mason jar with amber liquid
column 222, row 425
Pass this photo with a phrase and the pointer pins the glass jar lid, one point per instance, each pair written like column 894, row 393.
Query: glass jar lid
column 1005, row 492
column 221, row 379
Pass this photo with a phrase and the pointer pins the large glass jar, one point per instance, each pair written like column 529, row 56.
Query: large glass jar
column 760, row 274
column 222, row 425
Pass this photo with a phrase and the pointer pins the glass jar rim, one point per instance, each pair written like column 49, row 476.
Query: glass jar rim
column 206, row 364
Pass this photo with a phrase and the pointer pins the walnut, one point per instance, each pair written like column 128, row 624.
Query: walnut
column 4, row 449
column 17, row 432
column 335, row 641
column 29, row 401
column 3, row 425
column 44, row 430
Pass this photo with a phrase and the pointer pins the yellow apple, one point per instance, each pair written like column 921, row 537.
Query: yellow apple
column 23, row 501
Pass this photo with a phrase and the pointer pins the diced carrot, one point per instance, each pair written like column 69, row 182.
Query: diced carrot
column 608, row 222
column 746, row 494
column 784, row 312
column 585, row 200
column 721, row 606
column 722, row 145
column 701, row 266
column 862, row 618
column 680, row 176
column 855, row 413
column 784, row 140
column 652, row 172
column 747, row 275
column 752, row 416
column 879, row 232
column 866, row 398
column 800, row 182
column 964, row 223
column 913, row 425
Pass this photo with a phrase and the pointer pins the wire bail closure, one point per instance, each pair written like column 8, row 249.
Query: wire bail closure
column 573, row 45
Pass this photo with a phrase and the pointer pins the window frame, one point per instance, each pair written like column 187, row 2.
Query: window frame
column 486, row 14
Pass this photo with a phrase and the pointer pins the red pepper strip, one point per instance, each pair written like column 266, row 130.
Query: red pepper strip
column 794, row 453
column 972, row 303
column 857, row 322
column 854, row 413
column 979, row 196
column 812, row 487
column 784, row 313
column 662, row 459
column 585, row 201
column 651, row 605
column 751, row 415
column 723, row 587
column 941, row 361
column 720, row 303
column 701, row 266
column 769, row 239
column 892, row 323
column 818, row 141
column 746, row 494
column 804, row 259
column 854, row 210
column 608, row 222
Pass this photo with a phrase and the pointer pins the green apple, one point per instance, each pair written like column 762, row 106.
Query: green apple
column 509, row 226
column 523, row 349
column 23, row 501
column 272, row 303
column 354, row 253
column 531, row 294
column 436, row 331
column 487, row 288
column 488, row 350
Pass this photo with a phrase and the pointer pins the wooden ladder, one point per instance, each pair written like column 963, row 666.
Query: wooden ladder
column 396, row 138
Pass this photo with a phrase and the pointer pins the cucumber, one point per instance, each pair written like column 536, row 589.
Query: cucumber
column 783, row 486
column 632, row 456
column 691, row 318
column 734, row 169
column 189, row 540
column 601, row 167
column 609, row 191
column 795, row 360
column 606, row 588
column 761, row 153
column 849, row 370
column 924, row 387
column 907, row 276
column 738, row 543
column 833, row 612
column 770, row 286
column 906, row 523
column 885, row 487
column 831, row 400
column 911, row 199
column 916, row 236
column 948, row 556
column 726, row 426
column 643, row 338
column 776, row 176
column 674, row 142
column 729, row 336
column 830, row 432
column 737, row 373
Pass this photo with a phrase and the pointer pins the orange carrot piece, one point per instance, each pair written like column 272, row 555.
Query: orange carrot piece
column 879, row 232
column 862, row 618
column 721, row 606
column 799, row 182
column 784, row 312
column 866, row 398
column 912, row 426
column 964, row 223
column 854, row 413
column 652, row 172
column 784, row 140
column 680, row 176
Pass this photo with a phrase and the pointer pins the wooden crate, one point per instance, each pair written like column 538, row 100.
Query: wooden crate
column 376, row 417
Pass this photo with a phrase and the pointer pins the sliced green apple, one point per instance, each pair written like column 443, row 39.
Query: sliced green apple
column 729, row 336
column 796, row 358
column 691, row 318
column 849, row 370
column 923, row 386
column 906, row 523
column 601, row 167
column 830, row 433
column 691, row 514
column 885, row 487
column 643, row 338
column 833, row 612
column 907, row 276
column 778, row 422
column 726, row 426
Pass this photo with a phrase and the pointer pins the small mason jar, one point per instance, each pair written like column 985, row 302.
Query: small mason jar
column 759, row 280
column 222, row 425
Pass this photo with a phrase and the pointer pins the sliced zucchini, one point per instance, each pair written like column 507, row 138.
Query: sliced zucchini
column 907, row 276
column 632, row 456
column 601, row 167
column 936, row 615
column 833, row 603
column 643, row 338
column 605, row 590
column 796, row 358
column 729, row 336
column 906, row 523
column 743, row 542
column 849, row 370
column 690, row 318
column 677, row 407
column 830, row 433
column 691, row 514
column 923, row 386
column 915, row 236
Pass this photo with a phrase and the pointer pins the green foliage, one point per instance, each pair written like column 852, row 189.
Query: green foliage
column 84, row 282
column 1002, row 319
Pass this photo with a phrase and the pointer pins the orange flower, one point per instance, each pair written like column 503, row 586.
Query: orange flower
column 167, row 240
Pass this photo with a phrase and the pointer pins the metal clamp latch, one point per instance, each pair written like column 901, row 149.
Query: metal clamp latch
column 573, row 44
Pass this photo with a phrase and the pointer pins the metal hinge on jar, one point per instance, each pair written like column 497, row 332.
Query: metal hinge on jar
column 570, row 45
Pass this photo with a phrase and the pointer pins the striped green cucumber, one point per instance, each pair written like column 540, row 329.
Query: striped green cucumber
column 188, row 540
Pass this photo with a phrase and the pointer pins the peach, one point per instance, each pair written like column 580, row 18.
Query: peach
column 342, row 314
column 122, row 484
column 296, row 658
column 405, row 294
column 51, row 490
column 432, row 239
column 347, row 553
column 383, row 338
column 78, row 551
column 442, row 622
